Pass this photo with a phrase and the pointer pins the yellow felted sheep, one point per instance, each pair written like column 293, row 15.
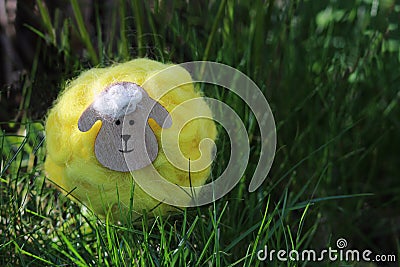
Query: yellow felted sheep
column 74, row 161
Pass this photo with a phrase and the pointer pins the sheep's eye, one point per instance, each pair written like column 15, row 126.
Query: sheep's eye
column 131, row 122
column 117, row 122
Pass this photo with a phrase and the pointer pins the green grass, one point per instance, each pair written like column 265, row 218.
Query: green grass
column 330, row 71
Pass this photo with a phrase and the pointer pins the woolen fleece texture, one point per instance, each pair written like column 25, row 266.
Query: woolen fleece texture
column 72, row 164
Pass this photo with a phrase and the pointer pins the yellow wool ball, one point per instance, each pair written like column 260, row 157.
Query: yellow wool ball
column 71, row 162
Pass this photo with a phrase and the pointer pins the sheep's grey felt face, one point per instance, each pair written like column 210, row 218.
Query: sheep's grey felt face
column 125, row 141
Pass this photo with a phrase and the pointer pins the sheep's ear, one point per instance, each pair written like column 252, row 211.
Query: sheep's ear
column 87, row 119
column 160, row 115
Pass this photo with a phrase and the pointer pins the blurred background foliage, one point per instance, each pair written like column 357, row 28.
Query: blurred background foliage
column 329, row 69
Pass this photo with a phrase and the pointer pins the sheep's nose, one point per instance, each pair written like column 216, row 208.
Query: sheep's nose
column 125, row 137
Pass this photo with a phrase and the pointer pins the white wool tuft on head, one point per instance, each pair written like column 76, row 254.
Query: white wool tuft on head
column 118, row 100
